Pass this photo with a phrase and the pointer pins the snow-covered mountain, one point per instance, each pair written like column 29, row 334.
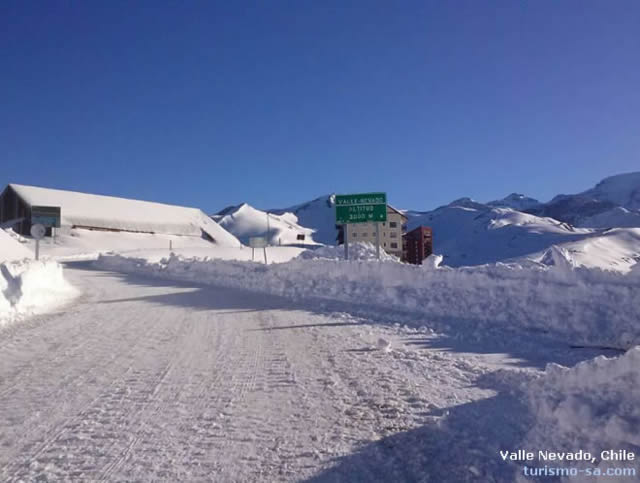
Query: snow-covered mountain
column 516, row 201
column 468, row 232
column 472, row 233
column 622, row 190
column 245, row 221
column 613, row 202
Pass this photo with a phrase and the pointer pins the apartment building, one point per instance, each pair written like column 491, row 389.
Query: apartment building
column 391, row 232
column 418, row 245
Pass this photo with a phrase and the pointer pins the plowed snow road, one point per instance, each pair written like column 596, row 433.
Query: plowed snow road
column 143, row 379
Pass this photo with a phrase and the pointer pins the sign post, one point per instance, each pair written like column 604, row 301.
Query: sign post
column 361, row 208
column 38, row 231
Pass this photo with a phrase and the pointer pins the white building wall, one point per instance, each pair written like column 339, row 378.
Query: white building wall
column 390, row 233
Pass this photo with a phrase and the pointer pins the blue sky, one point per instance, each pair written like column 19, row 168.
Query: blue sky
column 274, row 103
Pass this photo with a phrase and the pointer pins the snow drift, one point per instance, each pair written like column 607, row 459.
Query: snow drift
column 579, row 305
column 357, row 251
column 31, row 287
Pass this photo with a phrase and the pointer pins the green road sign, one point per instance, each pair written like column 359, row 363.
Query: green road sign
column 46, row 215
column 361, row 208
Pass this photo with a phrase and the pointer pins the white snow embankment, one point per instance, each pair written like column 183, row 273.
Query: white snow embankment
column 593, row 407
column 582, row 306
column 12, row 248
column 31, row 287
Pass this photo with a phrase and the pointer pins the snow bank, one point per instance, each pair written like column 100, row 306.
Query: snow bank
column 594, row 406
column 31, row 287
column 583, row 306
column 11, row 248
column 357, row 251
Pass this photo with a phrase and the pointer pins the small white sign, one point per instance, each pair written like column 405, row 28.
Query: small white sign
column 38, row 231
column 257, row 242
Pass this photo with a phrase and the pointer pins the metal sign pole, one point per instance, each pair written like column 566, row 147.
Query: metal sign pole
column 265, row 255
column 378, row 241
column 38, row 249
column 346, row 241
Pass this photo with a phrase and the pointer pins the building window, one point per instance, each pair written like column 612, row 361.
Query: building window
column 365, row 234
column 393, row 224
column 394, row 245
column 355, row 235
column 393, row 234
column 384, row 244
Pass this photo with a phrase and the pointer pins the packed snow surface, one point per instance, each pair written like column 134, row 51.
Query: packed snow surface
column 148, row 378
column 246, row 221
column 11, row 248
column 84, row 209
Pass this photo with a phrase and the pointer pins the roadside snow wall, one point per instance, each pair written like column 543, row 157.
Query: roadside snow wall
column 31, row 287
column 582, row 306
column 592, row 406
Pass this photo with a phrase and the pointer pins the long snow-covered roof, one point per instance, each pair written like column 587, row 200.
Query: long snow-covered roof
column 84, row 209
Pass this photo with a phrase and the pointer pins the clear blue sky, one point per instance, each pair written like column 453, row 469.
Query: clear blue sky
column 274, row 103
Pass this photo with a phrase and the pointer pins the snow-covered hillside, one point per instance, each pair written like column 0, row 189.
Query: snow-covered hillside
column 613, row 202
column 319, row 215
column 621, row 189
column 471, row 233
column 245, row 221
column 516, row 201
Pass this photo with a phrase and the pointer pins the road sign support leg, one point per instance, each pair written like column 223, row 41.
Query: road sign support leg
column 378, row 241
column 346, row 241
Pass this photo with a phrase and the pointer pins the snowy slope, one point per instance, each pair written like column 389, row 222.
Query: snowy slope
column 516, row 201
column 245, row 221
column 85, row 209
column 470, row 233
column 319, row 215
column 616, row 249
column 614, row 202
column 12, row 249
column 621, row 189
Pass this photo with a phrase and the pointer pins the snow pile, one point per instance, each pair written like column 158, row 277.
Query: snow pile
column 31, row 287
column 12, row 249
column 594, row 406
column 580, row 305
column 432, row 262
column 357, row 251
column 246, row 221
column 89, row 210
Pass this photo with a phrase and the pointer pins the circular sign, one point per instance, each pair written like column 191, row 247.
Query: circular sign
column 38, row 231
